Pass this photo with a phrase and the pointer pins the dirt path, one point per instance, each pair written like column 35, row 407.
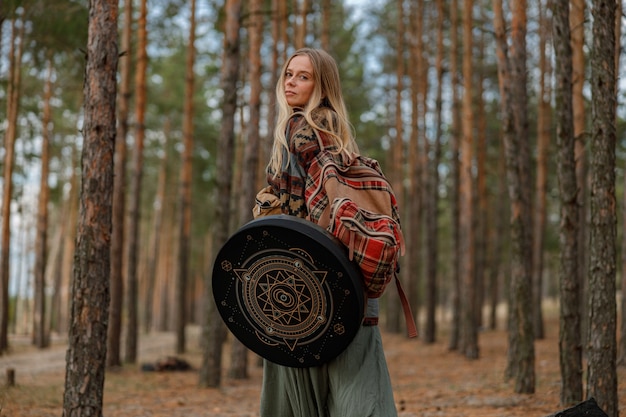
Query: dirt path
column 428, row 380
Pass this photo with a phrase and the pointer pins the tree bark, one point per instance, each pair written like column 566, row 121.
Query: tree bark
column 119, row 196
column 601, row 371
column 577, row 19
column 570, row 347
column 134, row 209
column 518, row 160
column 239, row 357
column 15, row 59
column 455, row 326
column 392, row 323
column 413, row 206
column 214, row 330
column 40, row 336
column 469, row 331
column 86, row 355
column 544, row 110
column 184, row 215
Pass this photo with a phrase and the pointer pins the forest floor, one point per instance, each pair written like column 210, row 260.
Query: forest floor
column 428, row 380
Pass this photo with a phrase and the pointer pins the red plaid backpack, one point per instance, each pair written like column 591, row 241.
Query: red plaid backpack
column 353, row 200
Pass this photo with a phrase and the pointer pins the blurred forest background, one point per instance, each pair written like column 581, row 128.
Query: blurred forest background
column 489, row 118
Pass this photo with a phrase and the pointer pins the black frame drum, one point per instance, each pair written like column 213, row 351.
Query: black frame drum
column 287, row 290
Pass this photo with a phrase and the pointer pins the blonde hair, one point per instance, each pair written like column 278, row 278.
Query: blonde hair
column 326, row 104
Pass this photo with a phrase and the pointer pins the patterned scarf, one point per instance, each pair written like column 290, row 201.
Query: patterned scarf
column 290, row 184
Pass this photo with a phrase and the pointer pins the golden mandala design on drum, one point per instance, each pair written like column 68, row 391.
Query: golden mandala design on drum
column 285, row 297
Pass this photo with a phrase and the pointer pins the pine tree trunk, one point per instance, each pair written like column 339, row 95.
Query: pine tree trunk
column 518, row 160
column 86, row 355
column 544, row 119
column 455, row 327
column 15, row 59
column 392, row 323
column 577, row 20
column 40, row 338
column 157, row 231
column 469, row 331
column 214, row 330
column 601, row 370
column 134, row 209
column 239, row 357
column 184, row 207
column 570, row 347
column 413, row 205
column 119, row 197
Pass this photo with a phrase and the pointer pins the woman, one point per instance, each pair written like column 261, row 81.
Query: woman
column 356, row 383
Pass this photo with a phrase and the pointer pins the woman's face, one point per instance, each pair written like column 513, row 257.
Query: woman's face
column 299, row 82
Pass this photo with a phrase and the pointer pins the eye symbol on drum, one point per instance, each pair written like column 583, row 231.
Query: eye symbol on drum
column 284, row 298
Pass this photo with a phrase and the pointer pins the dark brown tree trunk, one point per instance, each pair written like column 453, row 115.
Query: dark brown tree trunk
column 469, row 331
column 40, row 338
column 570, row 346
column 86, row 355
column 601, row 371
column 184, row 215
column 544, row 118
column 512, row 80
column 239, row 357
column 521, row 334
column 214, row 331
column 119, row 196
column 134, row 209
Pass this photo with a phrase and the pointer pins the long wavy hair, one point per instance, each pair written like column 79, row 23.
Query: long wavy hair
column 325, row 111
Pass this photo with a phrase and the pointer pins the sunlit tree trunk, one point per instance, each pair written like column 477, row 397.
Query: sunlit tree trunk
column 10, row 135
column 119, row 195
column 239, row 357
column 134, row 209
column 570, row 346
column 40, row 337
column 214, row 330
column 86, row 354
column 602, row 345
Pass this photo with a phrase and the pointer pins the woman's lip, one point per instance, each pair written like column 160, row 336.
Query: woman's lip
column 290, row 93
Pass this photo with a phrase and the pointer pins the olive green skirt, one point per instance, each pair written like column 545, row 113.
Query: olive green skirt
column 354, row 384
